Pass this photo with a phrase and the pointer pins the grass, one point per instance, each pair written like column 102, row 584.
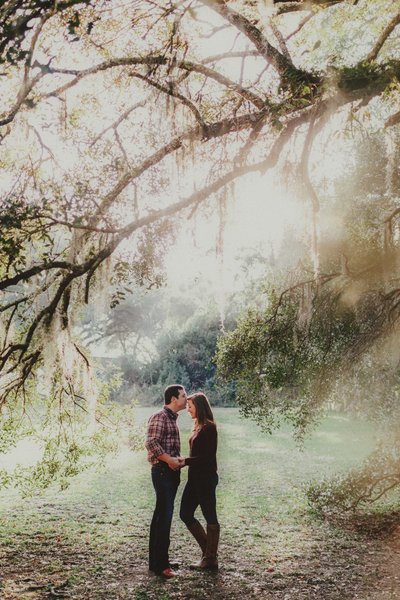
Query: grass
column 90, row 541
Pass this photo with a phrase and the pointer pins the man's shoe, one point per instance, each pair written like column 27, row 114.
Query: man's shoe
column 168, row 573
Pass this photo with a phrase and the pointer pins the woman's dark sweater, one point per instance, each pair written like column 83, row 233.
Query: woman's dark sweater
column 203, row 450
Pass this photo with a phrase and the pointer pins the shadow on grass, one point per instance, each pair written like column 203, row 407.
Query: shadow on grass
column 324, row 563
column 371, row 524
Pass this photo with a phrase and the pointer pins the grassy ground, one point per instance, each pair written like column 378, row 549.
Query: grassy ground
column 90, row 542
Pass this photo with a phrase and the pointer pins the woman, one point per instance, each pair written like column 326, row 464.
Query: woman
column 202, row 480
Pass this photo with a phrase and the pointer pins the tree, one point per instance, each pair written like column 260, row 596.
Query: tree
column 332, row 341
column 128, row 325
column 186, row 354
column 99, row 168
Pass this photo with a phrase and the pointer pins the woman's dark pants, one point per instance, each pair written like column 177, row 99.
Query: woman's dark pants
column 165, row 482
column 199, row 491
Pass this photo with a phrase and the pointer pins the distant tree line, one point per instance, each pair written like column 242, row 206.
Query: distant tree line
column 185, row 356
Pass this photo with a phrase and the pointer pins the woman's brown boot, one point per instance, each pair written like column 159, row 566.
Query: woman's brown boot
column 197, row 531
column 210, row 560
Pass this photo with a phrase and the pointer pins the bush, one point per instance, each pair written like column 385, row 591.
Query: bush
column 378, row 479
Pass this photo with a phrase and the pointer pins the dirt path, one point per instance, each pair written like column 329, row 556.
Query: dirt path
column 388, row 574
column 336, row 568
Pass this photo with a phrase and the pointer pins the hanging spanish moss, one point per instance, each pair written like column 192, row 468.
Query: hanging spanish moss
column 314, row 242
column 305, row 308
column 392, row 159
column 391, row 235
column 67, row 368
column 222, row 210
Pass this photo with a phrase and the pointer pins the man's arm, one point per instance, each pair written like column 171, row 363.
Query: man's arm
column 154, row 437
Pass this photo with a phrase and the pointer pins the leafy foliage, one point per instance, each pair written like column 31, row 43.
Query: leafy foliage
column 184, row 354
column 360, row 487
column 332, row 341
column 287, row 363
column 18, row 19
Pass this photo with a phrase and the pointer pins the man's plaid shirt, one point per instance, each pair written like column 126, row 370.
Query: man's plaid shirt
column 162, row 435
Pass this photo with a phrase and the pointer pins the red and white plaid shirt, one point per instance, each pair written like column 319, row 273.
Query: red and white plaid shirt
column 162, row 435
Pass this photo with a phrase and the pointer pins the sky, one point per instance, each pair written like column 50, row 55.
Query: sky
column 257, row 217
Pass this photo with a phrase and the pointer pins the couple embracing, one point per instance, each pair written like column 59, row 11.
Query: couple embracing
column 164, row 454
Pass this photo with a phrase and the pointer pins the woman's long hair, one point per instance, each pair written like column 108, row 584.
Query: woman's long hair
column 203, row 408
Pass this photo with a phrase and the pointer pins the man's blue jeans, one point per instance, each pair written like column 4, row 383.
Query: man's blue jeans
column 165, row 482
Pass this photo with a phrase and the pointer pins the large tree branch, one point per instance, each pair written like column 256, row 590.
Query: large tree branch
column 170, row 91
column 214, row 130
column 383, row 37
column 253, row 120
column 25, row 275
column 150, row 61
column 22, row 97
column 286, row 6
column 282, row 64
column 267, row 163
column 154, row 61
column 393, row 120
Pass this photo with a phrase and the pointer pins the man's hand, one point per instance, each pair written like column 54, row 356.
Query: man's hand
column 181, row 461
column 174, row 463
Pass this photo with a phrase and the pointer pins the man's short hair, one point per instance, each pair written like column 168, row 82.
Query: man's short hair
column 170, row 391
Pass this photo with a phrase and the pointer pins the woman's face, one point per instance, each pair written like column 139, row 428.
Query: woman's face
column 191, row 409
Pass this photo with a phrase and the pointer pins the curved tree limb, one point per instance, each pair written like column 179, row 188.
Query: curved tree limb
column 393, row 120
column 25, row 275
column 151, row 61
column 170, row 91
column 282, row 64
column 383, row 37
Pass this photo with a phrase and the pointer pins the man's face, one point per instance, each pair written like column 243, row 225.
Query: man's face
column 181, row 400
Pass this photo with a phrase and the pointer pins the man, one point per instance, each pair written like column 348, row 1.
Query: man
column 164, row 447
